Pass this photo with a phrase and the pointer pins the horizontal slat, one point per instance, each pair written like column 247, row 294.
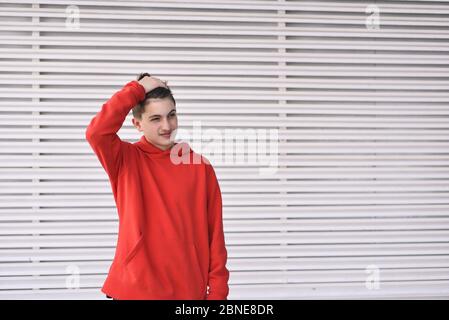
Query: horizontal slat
column 250, row 151
column 333, row 6
column 243, row 173
column 237, row 82
column 239, row 199
column 389, row 290
column 293, row 84
column 412, row 58
column 128, row 133
column 89, row 160
column 63, row 107
column 249, row 17
column 253, row 43
column 373, row 224
column 305, row 250
column 240, row 212
column 256, row 121
column 229, row 187
column 90, row 93
column 259, row 238
column 60, row 160
column 232, row 144
column 384, row 32
column 254, row 277
column 211, row 69
column 237, row 265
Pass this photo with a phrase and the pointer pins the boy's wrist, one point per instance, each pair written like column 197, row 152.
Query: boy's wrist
column 137, row 90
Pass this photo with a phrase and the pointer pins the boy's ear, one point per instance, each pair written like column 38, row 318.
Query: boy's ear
column 136, row 123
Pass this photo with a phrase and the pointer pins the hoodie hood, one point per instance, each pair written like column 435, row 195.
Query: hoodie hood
column 183, row 148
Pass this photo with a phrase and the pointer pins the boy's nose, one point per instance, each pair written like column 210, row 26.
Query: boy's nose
column 165, row 125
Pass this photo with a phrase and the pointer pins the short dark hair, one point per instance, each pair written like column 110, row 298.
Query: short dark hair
column 156, row 93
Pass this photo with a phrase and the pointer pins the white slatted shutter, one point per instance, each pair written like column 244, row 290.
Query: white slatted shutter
column 362, row 115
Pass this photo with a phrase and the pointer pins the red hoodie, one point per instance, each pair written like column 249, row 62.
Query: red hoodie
column 170, row 240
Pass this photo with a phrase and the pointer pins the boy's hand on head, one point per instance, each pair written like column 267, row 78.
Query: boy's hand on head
column 150, row 83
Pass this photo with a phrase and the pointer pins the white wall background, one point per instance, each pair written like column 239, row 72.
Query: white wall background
column 362, row 113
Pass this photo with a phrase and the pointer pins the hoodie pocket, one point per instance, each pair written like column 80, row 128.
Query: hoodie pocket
column 134, row 250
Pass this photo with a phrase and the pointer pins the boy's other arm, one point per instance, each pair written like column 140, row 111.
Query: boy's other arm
column 218, row 273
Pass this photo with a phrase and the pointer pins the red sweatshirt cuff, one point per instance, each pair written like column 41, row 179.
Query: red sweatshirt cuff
column 138, row 90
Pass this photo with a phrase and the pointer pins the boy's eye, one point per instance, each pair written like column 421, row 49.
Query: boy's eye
column 157, row 119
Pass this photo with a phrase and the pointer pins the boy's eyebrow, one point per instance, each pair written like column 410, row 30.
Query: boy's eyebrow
column 158, row 115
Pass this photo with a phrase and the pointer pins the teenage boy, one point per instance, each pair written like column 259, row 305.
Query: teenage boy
column 170, row 239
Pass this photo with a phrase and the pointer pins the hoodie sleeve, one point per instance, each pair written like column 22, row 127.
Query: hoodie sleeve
column 101, row 133
column 218, row 273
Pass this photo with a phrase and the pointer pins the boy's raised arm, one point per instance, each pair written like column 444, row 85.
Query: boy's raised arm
column 101, row 133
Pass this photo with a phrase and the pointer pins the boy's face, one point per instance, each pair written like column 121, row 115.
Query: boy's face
column 158, row 119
